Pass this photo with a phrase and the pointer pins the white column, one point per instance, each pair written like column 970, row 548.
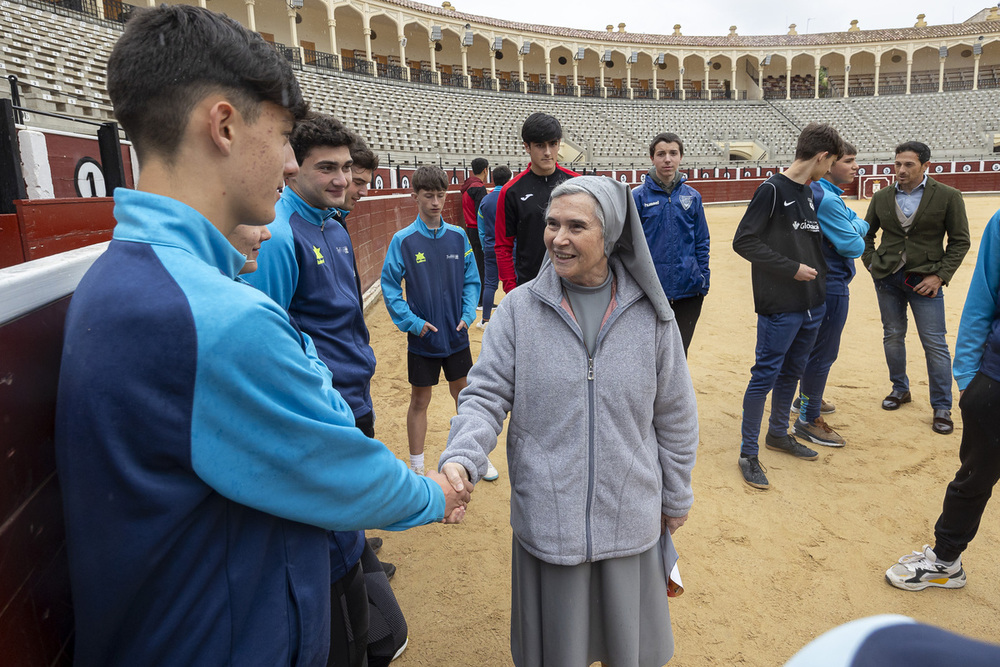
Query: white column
column 520, row 72
column 708, row 90
column 293, row 30
column 465, row 66
column 601, row 68
column 760, row 74
column 576, row 87
column 680, row 80
column 909, row 72
column 548, row 76
column 434, row 73
column 656, row 91
column 975, row 72
column 732, row 86
column 788, row 80
column 847, row 79
column 878, row 66
column 251, row 19
column 941, row 75
column 402, row 56
column 493, row 67
column 816, row 82
column 628, row 78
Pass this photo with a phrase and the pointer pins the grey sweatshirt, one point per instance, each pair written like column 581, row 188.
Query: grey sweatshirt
column 597, row 446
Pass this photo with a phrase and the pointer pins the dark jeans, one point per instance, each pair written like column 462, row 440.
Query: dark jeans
column 823, row 354
column 966, row 496
column 784, row 341
column 477, row 252
column 928, row 313
column 686, row 312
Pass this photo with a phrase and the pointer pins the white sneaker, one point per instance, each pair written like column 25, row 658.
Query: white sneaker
column 920, row 569
column 492, row 474
column 482, row 325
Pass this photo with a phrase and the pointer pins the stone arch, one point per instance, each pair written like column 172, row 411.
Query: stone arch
column 350, row 33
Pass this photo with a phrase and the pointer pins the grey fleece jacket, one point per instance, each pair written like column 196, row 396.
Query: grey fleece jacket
column 597, row 448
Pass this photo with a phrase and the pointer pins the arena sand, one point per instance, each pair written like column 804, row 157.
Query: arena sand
column 765, row 572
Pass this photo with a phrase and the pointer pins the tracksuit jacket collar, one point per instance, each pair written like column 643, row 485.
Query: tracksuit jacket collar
column 144, row 217
column 306, row 211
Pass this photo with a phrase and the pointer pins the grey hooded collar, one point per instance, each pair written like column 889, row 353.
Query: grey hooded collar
column 624, row 239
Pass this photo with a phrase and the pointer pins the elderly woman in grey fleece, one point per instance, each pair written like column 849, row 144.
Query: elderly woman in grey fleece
column 588, row 361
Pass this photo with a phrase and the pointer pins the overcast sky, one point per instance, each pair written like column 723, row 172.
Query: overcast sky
column 760, row 17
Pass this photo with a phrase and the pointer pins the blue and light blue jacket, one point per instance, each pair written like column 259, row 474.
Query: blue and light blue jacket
column 843, row 235
column 308, row 268
column 488, row 216
column 203, row 453
column 977, row 347
column 677, row 234
column 442, row 287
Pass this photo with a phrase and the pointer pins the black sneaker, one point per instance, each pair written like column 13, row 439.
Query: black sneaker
column 790, row 445
column 390, row 570
column 375, row 543
column 753, row 472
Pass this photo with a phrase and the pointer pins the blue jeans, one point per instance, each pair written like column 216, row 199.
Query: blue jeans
column 928, row 313
column 823, row 354
column 784, row 341
column 490, row 279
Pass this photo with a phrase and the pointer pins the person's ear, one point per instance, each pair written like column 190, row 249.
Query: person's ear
column 223, row 119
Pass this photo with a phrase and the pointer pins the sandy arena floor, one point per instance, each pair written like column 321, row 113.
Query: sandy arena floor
column 765, row 571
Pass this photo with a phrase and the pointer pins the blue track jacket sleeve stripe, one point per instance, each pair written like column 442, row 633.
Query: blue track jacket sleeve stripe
column 841, row 226
column 392, row 289
column 277, row 273
column 279, row 438
column 981, row 306
column 471, row 287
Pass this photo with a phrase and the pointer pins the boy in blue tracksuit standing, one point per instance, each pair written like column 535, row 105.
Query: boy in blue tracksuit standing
column 843, row 242
column 673, row 221
column 442, row 292
column 202, row 450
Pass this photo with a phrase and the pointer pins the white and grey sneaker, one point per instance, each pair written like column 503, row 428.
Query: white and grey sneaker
column 492, row 474
column 921, row 569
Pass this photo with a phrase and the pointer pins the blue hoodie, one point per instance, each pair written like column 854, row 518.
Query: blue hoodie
column 442, row 287
column 203, row 453
column 843, row 235
column 977, row 348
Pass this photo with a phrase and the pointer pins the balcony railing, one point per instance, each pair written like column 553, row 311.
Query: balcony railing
column 392, row 72
column 619, row 93
column 320, row 59
column 861, row 91
column 959, row 85
column 421, row 75
column 510, row 85
column 669, row 94
column 455, row 80
column 359, row 66
column 536, row 87
column 289, row 53
column 590, row 91
column 560, row 89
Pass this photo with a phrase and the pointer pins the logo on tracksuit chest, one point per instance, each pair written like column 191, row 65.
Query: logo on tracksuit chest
column 319, row 255
column 420, row 258
column 686, row 201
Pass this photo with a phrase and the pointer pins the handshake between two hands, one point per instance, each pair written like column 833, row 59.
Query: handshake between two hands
column 454, row 481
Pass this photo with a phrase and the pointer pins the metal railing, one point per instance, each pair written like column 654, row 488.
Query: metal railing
column 560, row 89
column 590, row 91
column 958, row 85
column 421, row 76
column 536, row 87
column 642, row 93
column 320, row 59
column 510, row 85
column 289, row 53
column 454, row 80
column 481, row 82
column 359, row 65
column 669, row 94
column 617, row 93
column 989, row 82
column 392, row 72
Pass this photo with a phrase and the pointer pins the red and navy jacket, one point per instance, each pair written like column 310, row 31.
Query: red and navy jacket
column 521, row 219
column 473, row 191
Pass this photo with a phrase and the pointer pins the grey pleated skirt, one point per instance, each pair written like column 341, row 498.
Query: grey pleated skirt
column 612, row 610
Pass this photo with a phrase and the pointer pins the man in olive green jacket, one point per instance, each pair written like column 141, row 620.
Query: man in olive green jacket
column 910, row 266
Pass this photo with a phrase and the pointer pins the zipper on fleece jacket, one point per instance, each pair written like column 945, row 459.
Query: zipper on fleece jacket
column 591, row 418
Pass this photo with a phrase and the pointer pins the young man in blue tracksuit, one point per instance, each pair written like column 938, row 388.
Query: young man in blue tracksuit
column 202, row 450
column 977, row 373
column 673, row 221
column 442, row 292
column 309, row 269
column 843, row 242
column 779, row 234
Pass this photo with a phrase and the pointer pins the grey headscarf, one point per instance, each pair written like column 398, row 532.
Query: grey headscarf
column 623, row 234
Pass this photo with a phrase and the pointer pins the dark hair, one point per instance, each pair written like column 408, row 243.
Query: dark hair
column 429, row 177
column 319, row 130
column 171, row 57
column 540, row 128
column 922, row 150
column 501, row 175
column 363, row 156
column 479, row 165
column 668, row 137
column 817, row 138
column 849, row 149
